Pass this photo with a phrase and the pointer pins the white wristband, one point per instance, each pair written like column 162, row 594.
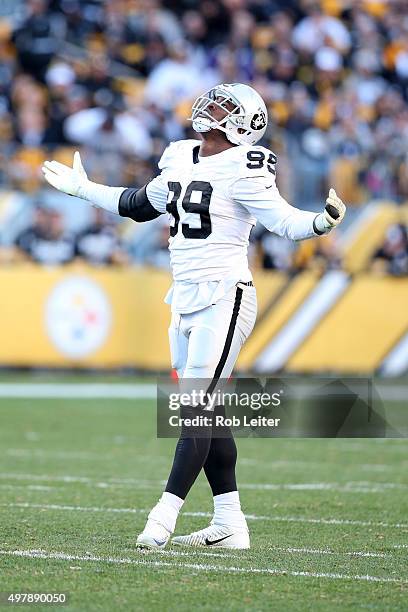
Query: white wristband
column 320, row 223
column 101, row 196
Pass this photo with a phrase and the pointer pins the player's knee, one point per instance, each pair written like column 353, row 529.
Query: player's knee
column 201, row 370
column 203, row 362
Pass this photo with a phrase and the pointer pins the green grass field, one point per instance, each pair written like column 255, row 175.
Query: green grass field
column 328, row 518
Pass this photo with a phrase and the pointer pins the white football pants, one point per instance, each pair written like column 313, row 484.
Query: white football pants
column 206, row 343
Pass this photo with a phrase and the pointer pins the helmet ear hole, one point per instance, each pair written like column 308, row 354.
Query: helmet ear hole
column 241, row 131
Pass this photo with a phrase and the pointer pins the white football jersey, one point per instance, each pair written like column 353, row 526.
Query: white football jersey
column 213, row 202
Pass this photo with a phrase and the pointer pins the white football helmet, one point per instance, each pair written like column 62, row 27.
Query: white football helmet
column 244, row 124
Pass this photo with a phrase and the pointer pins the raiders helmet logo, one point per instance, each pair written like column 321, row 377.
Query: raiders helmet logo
column 258, row 121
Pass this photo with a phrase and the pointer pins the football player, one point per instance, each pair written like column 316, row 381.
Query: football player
column 214, row 190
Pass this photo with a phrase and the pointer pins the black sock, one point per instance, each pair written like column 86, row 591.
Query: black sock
column 220, row 465
column 189, row 457
column 221, row 461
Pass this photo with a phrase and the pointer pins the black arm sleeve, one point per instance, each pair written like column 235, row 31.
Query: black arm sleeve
column 135, row 204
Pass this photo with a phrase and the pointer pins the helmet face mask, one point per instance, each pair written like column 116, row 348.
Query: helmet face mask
column 244, row 117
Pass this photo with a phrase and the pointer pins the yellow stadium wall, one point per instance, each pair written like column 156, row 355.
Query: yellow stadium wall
column 84, row 317
column 133, row 333
column 359, row 331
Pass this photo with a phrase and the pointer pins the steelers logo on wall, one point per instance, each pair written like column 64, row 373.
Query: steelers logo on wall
column 77, row 317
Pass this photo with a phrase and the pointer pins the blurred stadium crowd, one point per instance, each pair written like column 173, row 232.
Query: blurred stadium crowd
column 116, row 78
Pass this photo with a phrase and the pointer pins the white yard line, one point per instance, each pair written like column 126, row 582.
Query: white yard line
column 394, row 445
column 379, row 467
column 41, row 477
column 301, row 551
column 129, row 391
column 67, row 455
column 346, row 487
column 48, row 454
column 78, row 390
column 197, row 551
column 282, row 463
column 29, row 487
column 61, row 556
column 316, row 551
column 259, row 487
column 96, row 485
column 74, row 508
column 69, row 479
column 251, row 517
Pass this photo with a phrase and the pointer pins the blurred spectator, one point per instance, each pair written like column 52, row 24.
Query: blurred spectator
column 274, row 252
column 118, row 77
column 107, row 130
column 318, row 254
column 36, row 39
column 158, row 256
column 177, row 78
column 33, row 130
column 365, row 80
column 335, row 67
column 45, row 241
column 99, row 243
column 317, row 28
column 392, row 256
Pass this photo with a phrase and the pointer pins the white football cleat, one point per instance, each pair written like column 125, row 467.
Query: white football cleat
column 154, row 535
column 215, row 536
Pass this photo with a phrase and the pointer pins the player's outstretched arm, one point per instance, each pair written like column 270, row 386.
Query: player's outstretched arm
column 261, row 197
column 332, row 215
column 74, row 181
column 133, row 203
